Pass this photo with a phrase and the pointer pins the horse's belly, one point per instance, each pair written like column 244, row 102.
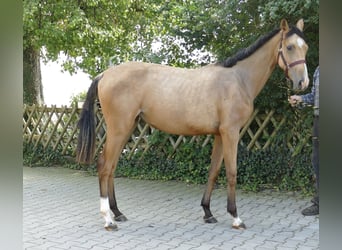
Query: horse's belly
column 181, row 125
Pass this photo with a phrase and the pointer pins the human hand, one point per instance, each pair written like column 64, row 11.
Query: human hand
column 294, row 100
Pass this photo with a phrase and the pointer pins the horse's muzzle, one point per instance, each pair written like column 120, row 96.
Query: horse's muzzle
column 301, row 85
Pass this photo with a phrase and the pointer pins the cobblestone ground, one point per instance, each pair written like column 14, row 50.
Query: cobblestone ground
column 61, row 211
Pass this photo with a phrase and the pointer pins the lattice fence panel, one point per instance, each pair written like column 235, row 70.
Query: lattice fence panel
column 56, row 127
column 100, row 131
column 261, row 129
column 51, row 126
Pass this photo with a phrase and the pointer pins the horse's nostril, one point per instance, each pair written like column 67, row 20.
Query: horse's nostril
column 300, row 84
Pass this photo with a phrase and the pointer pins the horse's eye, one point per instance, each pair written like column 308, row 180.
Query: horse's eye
column 289, row 47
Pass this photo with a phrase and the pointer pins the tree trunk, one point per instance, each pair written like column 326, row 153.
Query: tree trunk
column 33, row 88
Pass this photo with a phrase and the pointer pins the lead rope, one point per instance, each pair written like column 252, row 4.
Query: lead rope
column 296, row 123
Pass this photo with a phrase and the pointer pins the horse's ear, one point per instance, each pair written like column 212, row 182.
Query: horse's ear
column 300, row 24
column 283, row 25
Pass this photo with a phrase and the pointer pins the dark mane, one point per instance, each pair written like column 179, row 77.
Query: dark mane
column 295, row 30
column 246, row 52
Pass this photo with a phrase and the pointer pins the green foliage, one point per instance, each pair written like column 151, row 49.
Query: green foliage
column 89, row 33
column 38, row 156
column 155, row 164
column 80, row 97
column 274, row 167
column 94, row 33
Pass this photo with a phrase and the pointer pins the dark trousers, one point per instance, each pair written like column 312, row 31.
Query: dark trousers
column 315, row 154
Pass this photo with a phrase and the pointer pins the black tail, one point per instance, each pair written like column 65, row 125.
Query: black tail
column 86, row 139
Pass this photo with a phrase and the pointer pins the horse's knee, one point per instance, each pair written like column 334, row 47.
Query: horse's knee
column 231, row 177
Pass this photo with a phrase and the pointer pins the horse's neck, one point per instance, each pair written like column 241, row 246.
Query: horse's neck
column 257, row 68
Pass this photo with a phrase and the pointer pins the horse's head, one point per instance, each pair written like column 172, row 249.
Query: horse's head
column 291, row 54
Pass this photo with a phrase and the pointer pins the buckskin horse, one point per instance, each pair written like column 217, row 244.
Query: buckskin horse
column 215, row 99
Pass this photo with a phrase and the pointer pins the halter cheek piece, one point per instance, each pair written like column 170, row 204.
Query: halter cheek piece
column 281, row 54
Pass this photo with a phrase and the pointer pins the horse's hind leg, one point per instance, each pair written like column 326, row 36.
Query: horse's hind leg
column 216, row 161
column 106, row 167
column 118, row 132
column 118, row 216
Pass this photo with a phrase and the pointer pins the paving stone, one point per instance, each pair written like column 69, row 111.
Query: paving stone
column 61, row 211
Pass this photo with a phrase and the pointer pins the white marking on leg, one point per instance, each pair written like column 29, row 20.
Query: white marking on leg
column 237, row 222
column 300, row 42
column 105, row 211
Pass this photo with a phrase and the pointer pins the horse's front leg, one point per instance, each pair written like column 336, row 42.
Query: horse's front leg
column 216, row 161
column 230, row 142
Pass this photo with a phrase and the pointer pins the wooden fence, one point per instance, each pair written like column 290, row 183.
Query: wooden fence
column 56, row 127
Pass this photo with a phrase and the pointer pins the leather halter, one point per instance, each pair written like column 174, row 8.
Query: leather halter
column 281, row 54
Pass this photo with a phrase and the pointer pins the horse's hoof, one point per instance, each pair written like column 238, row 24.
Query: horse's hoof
column 120, row 218
column 111, row 227
column 241, row 226
column 210, row 220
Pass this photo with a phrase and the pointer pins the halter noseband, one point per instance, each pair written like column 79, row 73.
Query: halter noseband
column 281, row 54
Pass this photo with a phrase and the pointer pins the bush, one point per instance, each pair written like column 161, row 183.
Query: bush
column 38, row 156
column 190, row 162
column 274, row 167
